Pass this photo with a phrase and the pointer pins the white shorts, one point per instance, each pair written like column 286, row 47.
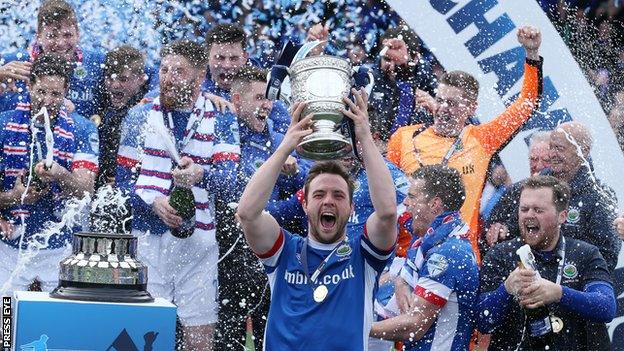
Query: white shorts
column 183, row 271
column 375, row 344
column 19, row 270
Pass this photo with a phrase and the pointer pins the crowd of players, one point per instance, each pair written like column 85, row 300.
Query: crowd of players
column 390, row 244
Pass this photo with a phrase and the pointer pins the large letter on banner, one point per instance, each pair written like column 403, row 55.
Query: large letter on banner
column 479, row 36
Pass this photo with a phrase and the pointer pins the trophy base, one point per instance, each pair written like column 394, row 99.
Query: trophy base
column 101, row 292
column 324, row 146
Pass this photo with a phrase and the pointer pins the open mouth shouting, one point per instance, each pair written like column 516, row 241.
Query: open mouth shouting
column 328, row 221
column 226, row 76
column 262, row 116
column 531, row 228
column 257, row 120
column 117, row 97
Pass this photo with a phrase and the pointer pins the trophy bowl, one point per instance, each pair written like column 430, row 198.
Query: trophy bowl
column 103, row 267
column 322, row 81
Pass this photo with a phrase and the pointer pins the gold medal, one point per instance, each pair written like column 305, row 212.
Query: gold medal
column 320, row 293
column 96, row 119
column 557, row 324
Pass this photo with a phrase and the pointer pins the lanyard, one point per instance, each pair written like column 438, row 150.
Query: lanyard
column 562, row 262
column 561, row 252
column 451, row 151
column 197, row 121
column 193, row 130
column 320, row 268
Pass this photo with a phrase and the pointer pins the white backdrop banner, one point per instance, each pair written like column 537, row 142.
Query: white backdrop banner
column 479, row 36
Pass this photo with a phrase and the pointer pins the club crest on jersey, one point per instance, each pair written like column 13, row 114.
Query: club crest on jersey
column 356, row 185
column 570, row 271
column 80, row 72
column 436, row 265
column 343, row 251
column 574, row 215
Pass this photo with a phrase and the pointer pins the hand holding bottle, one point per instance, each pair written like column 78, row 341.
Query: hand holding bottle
column 539, row 293
column 166, row 212
column 55, row 172
column 34, row 194
column 188, row 173
column 181, row 199
column 519, row 279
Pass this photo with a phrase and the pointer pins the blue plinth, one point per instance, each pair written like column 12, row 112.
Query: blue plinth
column 43, row 323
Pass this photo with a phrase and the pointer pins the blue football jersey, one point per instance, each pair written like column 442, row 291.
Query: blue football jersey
column 343, row 319
column 449, row 278
column 362, row 203
column 84, row 89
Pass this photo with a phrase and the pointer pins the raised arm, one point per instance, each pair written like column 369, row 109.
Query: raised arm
column 260, row 228
column 499, row 131
column 381, row 225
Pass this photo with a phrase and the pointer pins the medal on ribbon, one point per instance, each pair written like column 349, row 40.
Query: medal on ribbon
column 320, row 293
column 557, row 324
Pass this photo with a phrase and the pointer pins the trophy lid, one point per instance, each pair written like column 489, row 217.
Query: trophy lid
column 105, row 235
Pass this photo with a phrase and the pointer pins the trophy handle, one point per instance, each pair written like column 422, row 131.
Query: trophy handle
column 363, row 78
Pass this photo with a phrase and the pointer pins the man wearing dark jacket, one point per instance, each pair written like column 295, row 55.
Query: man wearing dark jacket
column 125, row 84
column 567, row 276
column 592, row 205
column 400, row 70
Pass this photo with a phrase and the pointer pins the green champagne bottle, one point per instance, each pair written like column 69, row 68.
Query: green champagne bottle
column 183, row 200
column 538, row 325
column 539, row 328
column 35, row 182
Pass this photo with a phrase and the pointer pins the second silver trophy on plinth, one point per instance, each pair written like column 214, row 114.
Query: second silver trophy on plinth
column 103, row 267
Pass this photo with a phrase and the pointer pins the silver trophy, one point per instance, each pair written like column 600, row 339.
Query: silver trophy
column 103, row 267
column 322, row 82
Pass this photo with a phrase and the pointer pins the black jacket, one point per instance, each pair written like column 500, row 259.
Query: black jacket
column 593, row 207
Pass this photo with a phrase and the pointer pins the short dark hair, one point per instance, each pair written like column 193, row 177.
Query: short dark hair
column 464, row 81
column 560, row 189
column 193, row 52
column 55, row 12
column 122, row 58
column 249, row 74
column 50, row 65
column 443, row 182
column 328, row 167
column 226, row 33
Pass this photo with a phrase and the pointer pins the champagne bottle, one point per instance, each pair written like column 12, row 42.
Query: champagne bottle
column 35, row 182
column 183, row 201
column 539, row 328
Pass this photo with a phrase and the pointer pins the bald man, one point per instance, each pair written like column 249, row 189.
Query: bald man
column 592, row 204
column 504, row 215
column 539, row 152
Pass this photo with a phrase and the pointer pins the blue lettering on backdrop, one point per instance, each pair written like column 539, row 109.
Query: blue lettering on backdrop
column 489, row 32
column 499, row 64
column 544, row 118
column 508, row 65
column 442, row 6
